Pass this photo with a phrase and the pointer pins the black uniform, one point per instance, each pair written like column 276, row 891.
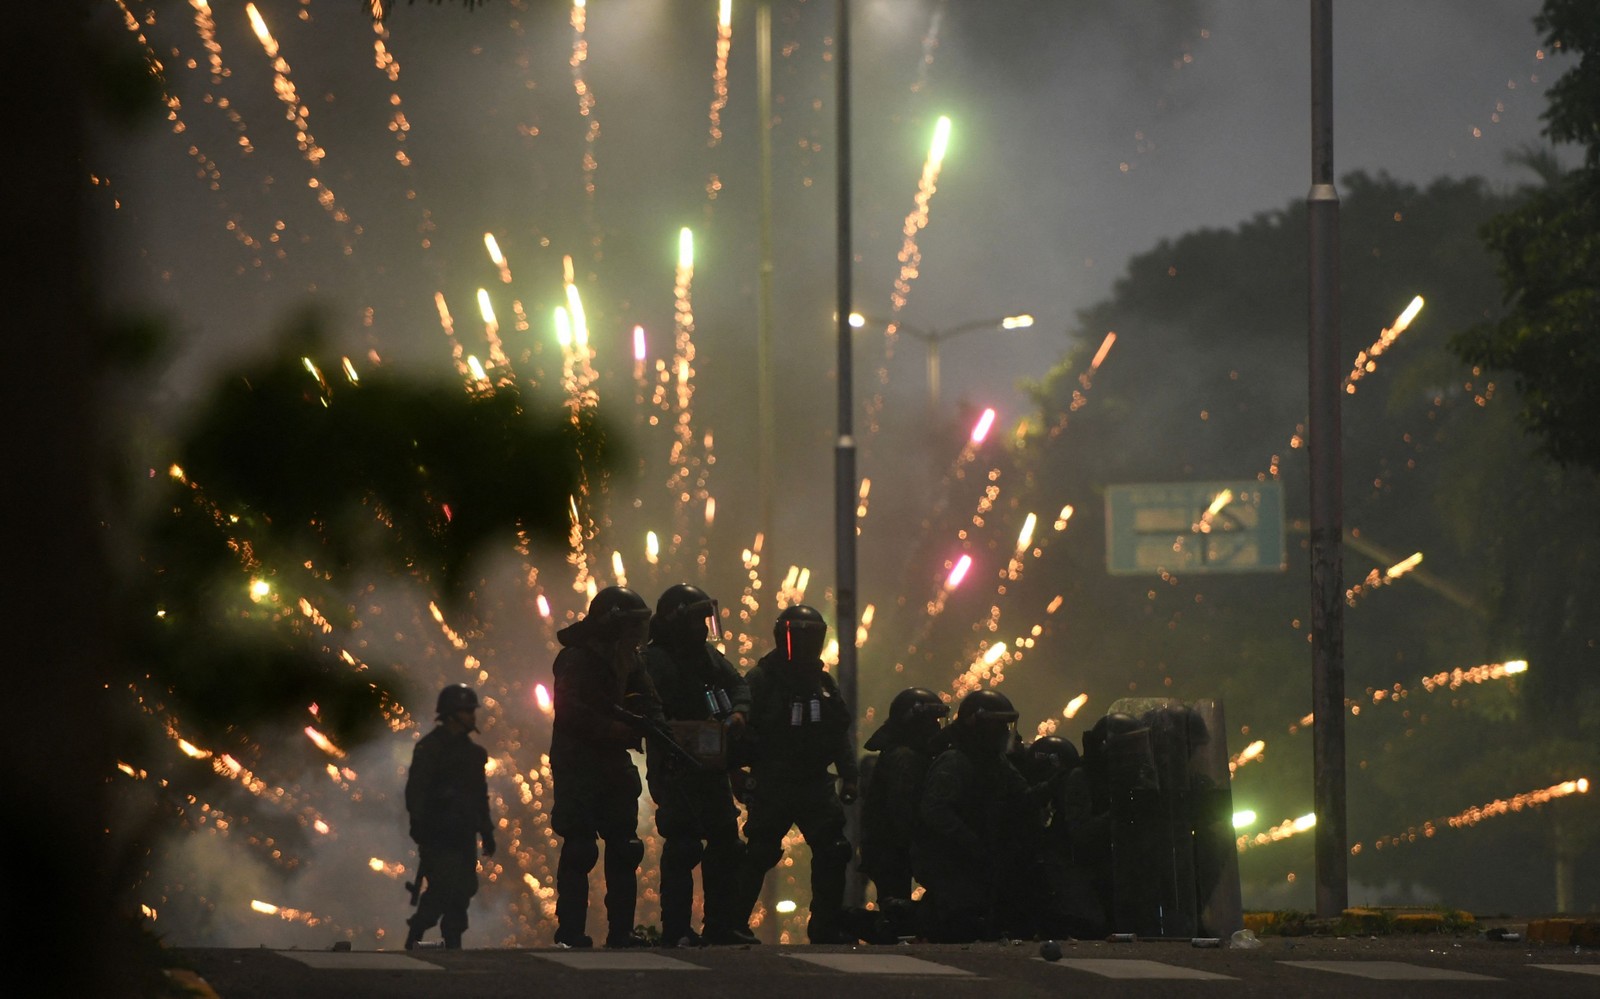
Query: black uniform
column 447, row 797
column 801, row 726
column 906, row 746
column 970, row 802
column 695, row 812
column 595, row 781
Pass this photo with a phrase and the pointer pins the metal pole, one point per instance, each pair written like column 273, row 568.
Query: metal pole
column 764, row 296
column 1327, row 497
column 764, row 393
column 845, row 449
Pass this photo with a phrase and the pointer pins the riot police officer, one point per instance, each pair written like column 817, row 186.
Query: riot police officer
column 695, row 812
column 905, row 748
column 801, row 726
column 447, row 799
column 971, row 801
column 1056, row 892
column 603, row 695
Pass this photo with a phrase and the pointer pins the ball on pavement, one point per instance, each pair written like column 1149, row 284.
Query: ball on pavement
column 1050, row 950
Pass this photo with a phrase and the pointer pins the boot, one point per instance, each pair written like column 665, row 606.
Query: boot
column 573, row 939
column 415, row 928
column 730, row 936
column 686, row 938
column 619, row 939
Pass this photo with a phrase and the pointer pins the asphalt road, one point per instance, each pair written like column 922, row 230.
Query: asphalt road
column 1388, row 966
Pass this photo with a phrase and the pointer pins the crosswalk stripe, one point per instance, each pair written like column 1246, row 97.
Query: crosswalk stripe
column 1126, row 967
column 1391, row 971
column 357, row 960
column 624, row 960
column 878, row 964
column 1577, row 969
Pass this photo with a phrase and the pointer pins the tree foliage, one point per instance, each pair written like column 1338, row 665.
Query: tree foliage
column 1548, row 251
column 292, row 463
column 1206, row 382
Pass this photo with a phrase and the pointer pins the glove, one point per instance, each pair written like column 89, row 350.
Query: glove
column 848, row 791
column 488, row 843
column 736, row 723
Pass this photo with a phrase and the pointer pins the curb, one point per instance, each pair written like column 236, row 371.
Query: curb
column 1565, row 932
column 1364, row 921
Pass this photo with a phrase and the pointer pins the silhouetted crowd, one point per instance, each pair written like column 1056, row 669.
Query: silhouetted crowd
column 966, row 832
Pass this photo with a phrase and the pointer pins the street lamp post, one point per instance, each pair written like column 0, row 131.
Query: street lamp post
column 932, row 338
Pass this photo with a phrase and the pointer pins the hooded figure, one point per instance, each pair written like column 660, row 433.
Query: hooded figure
column 602, row 692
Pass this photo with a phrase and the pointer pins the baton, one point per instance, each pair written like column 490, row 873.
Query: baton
column 659, row 732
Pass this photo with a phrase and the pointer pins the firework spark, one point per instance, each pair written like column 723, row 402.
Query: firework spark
column 719, row 76
column 1279, row 832
column 298, row 115
column 1367, row 361
column 586, row 101
column 497, row 257
column 1374, row 579
column 1251, row 752
column 910, row 254
column 1477, row 813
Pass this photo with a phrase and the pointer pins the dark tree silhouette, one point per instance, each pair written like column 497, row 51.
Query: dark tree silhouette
column 1548, row 250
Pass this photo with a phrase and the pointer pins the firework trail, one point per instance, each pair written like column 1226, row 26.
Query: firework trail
column 1278, row 833
column 298, row 115
column 1049, row 726
column 491, row 333
column 1249, row 753
column 457, row 354
column 208, row 168
column 1367, row 361
column 1452, row 679
column 690, row 458
column 586, row 109
column 1375, row 579
column 930, row 45
column 910, row 255
column 1477, row 813
column 719, row 76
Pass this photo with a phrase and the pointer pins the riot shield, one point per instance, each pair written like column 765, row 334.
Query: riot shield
column 1216, row 855
column 1174, row 869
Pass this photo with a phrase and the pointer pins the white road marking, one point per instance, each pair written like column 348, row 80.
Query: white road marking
column 1129, row 967
column 357, row 960
column 622, row 960
column 1577, row 969
column 878, row 964
column 1391, row 971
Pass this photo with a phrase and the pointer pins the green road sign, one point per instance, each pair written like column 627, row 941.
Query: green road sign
column 1194, row 527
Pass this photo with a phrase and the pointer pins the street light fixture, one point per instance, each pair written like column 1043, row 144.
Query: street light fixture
column 934, row 337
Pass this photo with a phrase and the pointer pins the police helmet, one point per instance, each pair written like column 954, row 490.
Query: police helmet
column 456, row 697
column 684, row 614
column 986, row 706
column 1052, row 752
column 914, row 716
column 914, row 703
column 616, row 612
column 800, row 633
